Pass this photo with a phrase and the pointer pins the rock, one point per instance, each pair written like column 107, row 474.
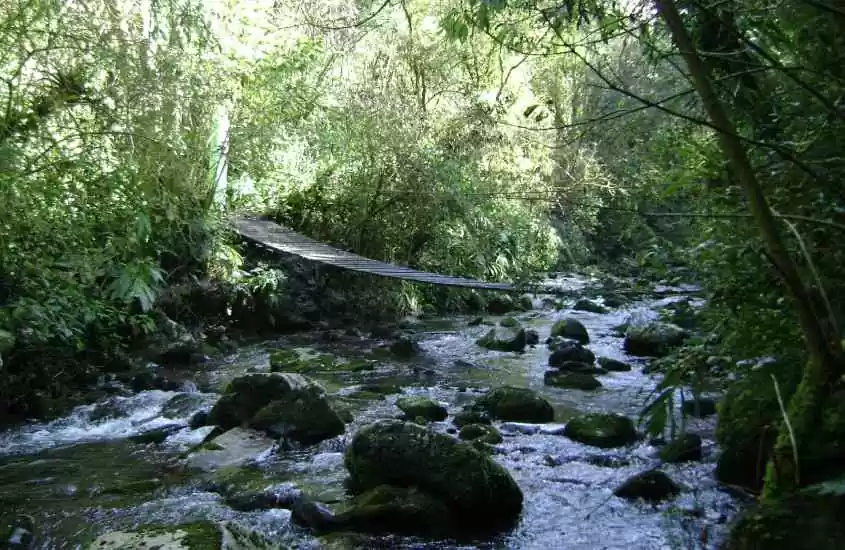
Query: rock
column 572, row 329
column 532, row 337
column 466, row 417
column 422, row 407
column 523, row 428
column 571, row 380
column 247, row 488
column 474, row 488
column 182, row 405
column 404, row 348
column 515, row 404
column 509, row 322
column 582, row 368
column 500, row 304
column 504, row 341
column 801, row 521
column 199, row 535
column 375, row 390
column 602, row 430
column 652, row 486
column 701, row 408
column 475, row 322
column 283, row 405
column 685, row 448
column 235, row 447
column 613, row 365
column 653, row 339
column 395, row 510
column 571, row 351
column 480, row 432
column 526, row 303
column 589, row 306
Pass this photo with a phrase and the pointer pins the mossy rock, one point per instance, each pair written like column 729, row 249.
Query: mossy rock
column 525, row 303
column 570, row 351
column 614, row 301
column 504, row 340
column 422, row 407
column 475, row 321
column 684, row 448
column 375, row 391
column 282, row 405
column 302, row 418
column 581, row 368
column 500, row 304
column 571, row 380
column 396, row 510
column 613, row 365
column 601, row 430
column 515, row 404
column 284, row 360
column 532, row 337
column 466, row 417
column 749, row 417
column 653, row 339
column 156, row 436
column 360, row 365
column 589, row 306
column 509, row 322
column 400, row 454
column 202, row 535
column 651, row 486
column 480, row 432
column 572, row 329
column 798, row 522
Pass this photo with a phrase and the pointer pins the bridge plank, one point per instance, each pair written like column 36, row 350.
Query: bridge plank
column 282, row 239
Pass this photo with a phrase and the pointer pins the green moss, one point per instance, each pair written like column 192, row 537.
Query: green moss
column 422, row 407
column 515, row 404
column 571, row 380
column 748, row 421
column 601, row 430
column 480, row 432
column 509, row 322
column 498, row 341
column 798, row 522
column 571, row 328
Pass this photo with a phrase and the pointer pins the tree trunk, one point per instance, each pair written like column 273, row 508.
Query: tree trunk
column 824, row 363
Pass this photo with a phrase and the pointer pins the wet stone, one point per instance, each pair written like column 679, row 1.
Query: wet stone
column 571, row 380
column 685, row 448
column 515, row 404
column 481, row 432
column 422, row 407
column 602, row 430
column 651, row 486
column 613, row 365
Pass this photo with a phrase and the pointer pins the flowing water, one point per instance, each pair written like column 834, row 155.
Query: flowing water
column 82, row 475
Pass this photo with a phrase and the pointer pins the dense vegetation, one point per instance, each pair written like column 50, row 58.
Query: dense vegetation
column 496, row 140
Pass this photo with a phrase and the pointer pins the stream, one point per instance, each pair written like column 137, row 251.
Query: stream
column 83, row 474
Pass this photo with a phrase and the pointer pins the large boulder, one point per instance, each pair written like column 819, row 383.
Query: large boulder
column 399, row 454
column 480, row 432
column 504, row 340
column 283, row 405
column 570, row 351
column 571, row 380
column 421, row 407
column 601, row 430
column 515, row 404
column 651, row 486
column 653, row 339
column 572, row 329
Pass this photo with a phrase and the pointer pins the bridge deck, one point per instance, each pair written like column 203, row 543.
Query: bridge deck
column 285, row 240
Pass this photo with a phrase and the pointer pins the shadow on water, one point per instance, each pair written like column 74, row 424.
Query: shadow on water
column 80, row 475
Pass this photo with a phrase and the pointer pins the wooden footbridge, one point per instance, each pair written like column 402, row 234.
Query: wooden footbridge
column 281, row 239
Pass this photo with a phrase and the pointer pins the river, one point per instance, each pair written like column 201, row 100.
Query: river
column 82, row 475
